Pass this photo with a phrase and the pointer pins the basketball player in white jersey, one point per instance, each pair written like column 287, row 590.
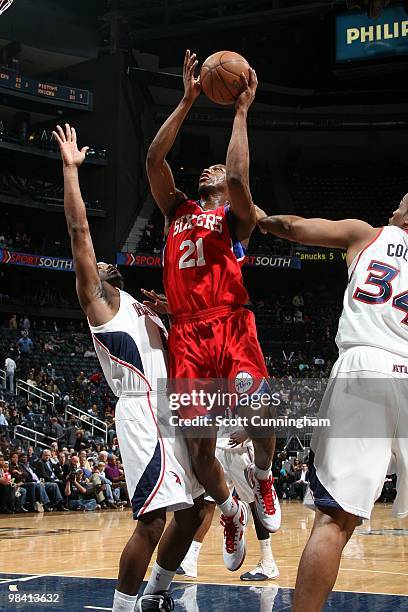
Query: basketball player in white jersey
column 128, row 339
column 366, row 398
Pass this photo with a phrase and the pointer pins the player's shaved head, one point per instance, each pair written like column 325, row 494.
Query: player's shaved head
column 400, row 215
column 109, row 273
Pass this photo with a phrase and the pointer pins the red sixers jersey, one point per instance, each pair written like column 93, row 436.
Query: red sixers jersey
column 202, row 261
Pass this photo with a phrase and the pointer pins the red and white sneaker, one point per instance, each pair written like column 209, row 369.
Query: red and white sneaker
column 234, row 548
column 266, row 501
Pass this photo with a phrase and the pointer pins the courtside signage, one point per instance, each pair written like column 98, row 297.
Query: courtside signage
column 146, row 260
column 360, row 38
column 46, row 262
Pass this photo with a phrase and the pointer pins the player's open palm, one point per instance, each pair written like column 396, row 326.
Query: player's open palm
column 157, row 302
column 67, row 141
column 192, row 86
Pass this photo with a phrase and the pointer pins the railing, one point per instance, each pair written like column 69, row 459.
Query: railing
column 2, row 378
column 88, row 420
column 32, row 391
column 36, row 437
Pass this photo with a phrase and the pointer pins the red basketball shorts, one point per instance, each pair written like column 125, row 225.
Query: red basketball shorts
column 217, row 349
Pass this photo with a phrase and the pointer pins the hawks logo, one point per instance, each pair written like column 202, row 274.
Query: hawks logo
column 177, row 477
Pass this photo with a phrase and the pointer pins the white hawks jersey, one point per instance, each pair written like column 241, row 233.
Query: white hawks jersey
column 375, row 307
column 131, row 348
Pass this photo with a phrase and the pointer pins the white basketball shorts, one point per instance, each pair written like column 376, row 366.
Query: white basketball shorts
column 157, row 466
column 234, row 461
column 367, row 403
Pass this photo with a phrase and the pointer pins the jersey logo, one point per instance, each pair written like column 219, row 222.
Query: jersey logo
column 207, row 220
column 243, row 382
column 177, row 477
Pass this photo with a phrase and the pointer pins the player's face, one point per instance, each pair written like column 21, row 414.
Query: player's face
column 214, row 176
column 400, row 216
column 110, row 274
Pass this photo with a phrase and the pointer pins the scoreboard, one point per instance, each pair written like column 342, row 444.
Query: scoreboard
column 15, row 82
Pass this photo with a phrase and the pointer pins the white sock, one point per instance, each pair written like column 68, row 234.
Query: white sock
column 160, row 580
column 194, row 551
column 123, row 603
column 266, row 552
column 262, row 474
column 229, row 507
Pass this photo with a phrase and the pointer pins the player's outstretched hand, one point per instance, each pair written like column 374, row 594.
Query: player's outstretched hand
column 249, row 90
column 192, row 86
column 158, row 301
column 67, row 141
column 237, row 437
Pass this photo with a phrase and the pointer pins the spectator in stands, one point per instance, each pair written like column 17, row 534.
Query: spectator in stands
column 3, row 420
column 41, row 500
column 116, row 476
column 61, row 469
column 71, row 432
column 10, row 368
column 89, row 352
column 83, row 460
column 81, row 380
column 300, row 484
column 50, row 371
column 13, row 322
column 112, row 495
column 7, row 491
column 26, row 323
column 18, row 481
column 75, row 489
column 52, row 387
column 45, row 470
column 31, row 456
column 81, row 439
column 56, row 430
column 298, row 316
column 25, row 344
column 31, row 379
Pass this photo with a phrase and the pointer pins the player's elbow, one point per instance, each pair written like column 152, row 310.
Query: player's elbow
column 78, row 228
column 153, row 159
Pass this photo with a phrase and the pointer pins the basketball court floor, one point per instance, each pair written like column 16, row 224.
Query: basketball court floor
column 70, row 562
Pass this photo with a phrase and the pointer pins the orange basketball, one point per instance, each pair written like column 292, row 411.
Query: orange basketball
column 220, row 76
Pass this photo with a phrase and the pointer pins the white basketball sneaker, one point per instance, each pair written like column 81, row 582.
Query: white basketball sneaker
column 188, row 567
column 263, row 571
column 234, row 549
column 266, row 501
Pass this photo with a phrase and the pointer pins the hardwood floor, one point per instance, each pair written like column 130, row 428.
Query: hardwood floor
column 89, row 544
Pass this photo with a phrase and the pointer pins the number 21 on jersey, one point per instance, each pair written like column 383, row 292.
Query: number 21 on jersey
column 193, row 254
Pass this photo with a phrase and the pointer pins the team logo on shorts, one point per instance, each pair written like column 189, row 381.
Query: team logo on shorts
column 243, row 382
column 177, row 477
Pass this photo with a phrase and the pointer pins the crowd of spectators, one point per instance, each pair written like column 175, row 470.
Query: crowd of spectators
column 61, row 478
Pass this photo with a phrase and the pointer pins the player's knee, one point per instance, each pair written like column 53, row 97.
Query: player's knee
column 151, row 527
column 342, row 521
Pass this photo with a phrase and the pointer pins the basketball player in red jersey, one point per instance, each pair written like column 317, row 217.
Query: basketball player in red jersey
column 212, row 334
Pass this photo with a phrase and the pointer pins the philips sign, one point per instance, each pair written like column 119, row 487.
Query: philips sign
column 360, row 38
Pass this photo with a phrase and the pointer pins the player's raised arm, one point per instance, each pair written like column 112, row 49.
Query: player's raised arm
column 158, row 170
column 89, row 286
column 237, row 164
column 346, row 234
